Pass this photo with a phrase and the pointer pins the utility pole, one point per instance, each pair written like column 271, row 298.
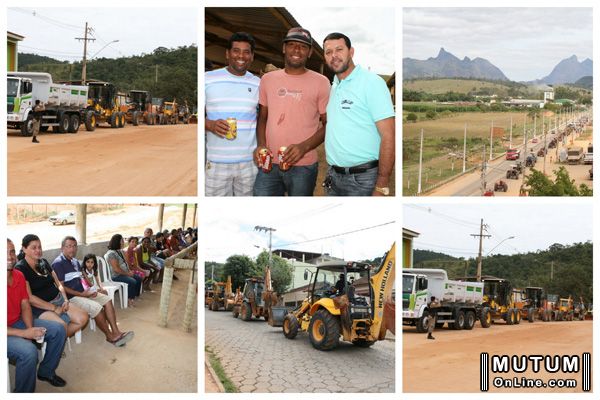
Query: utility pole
column 270, row 230
column 510, row 139
column 420, row 164
column 483, row 166
column 491, row 140
column 551, row 270
column 85, row 40
column 480, row 257
column 465, row 150
column 545, row 147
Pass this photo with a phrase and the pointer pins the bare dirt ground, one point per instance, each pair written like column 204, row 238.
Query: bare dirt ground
column 131, row 161
column 157, row 360
column 451, row 362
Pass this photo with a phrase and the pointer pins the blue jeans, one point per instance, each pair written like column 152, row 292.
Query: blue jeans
column 159, row 262
column 25, row 353
column 361, row 184
column 296, row 181
column 134, row 284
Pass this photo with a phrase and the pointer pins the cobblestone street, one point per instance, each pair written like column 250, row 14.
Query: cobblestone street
column 258, row 358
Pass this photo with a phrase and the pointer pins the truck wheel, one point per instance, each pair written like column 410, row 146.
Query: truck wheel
column 459, row 320
column 90, row 121
column 486, row 318
column 509, row 317
column 469, row 320
column 27, row 126
column 422, row 323
column 530, row 314
column 63, row 123
column 324, row 330
column 135, row 119
column 74, row 123
column 246, row 312
column 517, row 316
column 113, row 120
column 363, row 343
column 290, row 326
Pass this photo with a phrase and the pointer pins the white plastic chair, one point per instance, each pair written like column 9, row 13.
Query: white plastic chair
column 110, row 285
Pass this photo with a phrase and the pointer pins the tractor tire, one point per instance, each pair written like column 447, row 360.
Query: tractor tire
column 246, row 312
column 486, row 318
column 90, row 121
column 324, row 330
column 114, row 120
column 74, row 123
column 291, row 325
column 421, row 323
column 530, row 314
column 363, row 343
column 469, row 320
column 121, row 119
column 517, row 316
column 135, row 118
column 27, row 126
column 63, row 123
column 510, row 319
column 459, row 320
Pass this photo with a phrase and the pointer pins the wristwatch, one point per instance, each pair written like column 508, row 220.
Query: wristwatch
column 383, row 190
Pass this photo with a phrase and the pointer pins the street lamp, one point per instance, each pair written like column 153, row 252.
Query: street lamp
column 105, row 46
column 489, row 252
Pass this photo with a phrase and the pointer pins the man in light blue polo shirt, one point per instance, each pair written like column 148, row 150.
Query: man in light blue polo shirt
column 360, row 133
column 231, row 92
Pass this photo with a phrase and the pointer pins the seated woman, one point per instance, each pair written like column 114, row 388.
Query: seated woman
column 46, row 295
column 119, row 269
column 132, row 263
column 143, row 257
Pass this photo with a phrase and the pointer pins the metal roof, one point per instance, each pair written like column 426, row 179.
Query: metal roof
column 268, row 25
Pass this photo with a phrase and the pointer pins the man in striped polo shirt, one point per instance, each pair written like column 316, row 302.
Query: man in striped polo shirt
column 231, row 92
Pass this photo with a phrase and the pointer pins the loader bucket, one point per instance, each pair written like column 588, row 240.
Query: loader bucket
column 277, row 315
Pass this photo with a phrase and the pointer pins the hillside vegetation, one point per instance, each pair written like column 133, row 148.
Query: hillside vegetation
column 166, row 73
column 572, row 265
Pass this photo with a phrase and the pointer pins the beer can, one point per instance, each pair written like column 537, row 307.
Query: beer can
column 283, row 166
column 232, row 132
column 265, row 160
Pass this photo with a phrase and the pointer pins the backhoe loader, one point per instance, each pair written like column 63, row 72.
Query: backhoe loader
column 331, row 312
column 258, row 299
column 222, row 296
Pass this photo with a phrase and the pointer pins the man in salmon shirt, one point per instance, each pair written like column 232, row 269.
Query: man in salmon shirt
column 292, row 114
column 22, row 329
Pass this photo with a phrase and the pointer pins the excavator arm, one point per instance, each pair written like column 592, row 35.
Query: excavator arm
column 382, row 283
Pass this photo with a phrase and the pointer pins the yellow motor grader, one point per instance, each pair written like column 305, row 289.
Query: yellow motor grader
column 333, row 311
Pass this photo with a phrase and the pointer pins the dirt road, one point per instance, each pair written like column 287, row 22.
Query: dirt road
column 132, row 161
column 451, row 362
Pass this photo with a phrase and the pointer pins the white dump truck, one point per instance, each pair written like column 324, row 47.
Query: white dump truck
column 63, row 103
column 461, row 302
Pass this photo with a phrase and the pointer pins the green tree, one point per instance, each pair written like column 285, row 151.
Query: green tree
column 281, row 271
column 239, row 267
column 562, row 185
column 430, row 114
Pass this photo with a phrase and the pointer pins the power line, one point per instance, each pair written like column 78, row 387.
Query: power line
column 339, row 234
column 46, row 19
column 454, row 220
column 50, row 51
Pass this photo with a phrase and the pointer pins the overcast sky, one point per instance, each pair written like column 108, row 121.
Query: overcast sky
column 371, row 31
column 229, row 228
column 51, row 31
column 525, row 43
column 446, row 228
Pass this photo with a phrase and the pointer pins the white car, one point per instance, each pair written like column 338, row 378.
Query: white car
column 588, row 158
column 63, row 218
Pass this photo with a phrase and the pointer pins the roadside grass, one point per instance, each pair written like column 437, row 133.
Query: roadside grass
column 216, row 365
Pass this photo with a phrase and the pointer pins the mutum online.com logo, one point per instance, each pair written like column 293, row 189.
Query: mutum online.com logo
column 564, row 364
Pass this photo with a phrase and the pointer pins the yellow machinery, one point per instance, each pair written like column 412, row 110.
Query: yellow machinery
column 222, row 296
column 258, row 299
column 498, row 302
column 103, row 106
column 170, row 115
column 563, row 310
column 331, row 311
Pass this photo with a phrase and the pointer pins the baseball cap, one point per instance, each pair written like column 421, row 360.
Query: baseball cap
column 298, row 34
